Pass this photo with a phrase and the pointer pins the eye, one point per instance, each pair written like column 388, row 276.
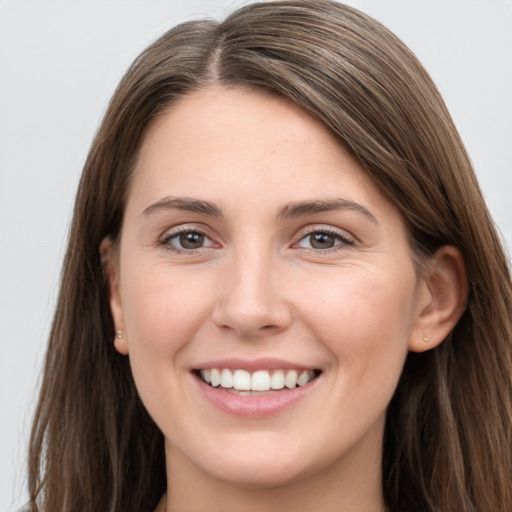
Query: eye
column 324, row 240
column 187, row 240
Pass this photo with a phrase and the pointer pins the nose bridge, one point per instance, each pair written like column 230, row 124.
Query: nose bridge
column 250, row 301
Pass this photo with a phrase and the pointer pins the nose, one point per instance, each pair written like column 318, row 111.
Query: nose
column 251, row 300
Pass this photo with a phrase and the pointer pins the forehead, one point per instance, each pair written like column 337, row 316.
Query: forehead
column 224, row 120
column 223, row 144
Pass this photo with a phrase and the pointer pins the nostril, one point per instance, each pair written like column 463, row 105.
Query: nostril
column 249, row 302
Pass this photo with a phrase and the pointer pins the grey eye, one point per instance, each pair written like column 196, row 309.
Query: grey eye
column 319, row 240
column 322, row 240
column 187, row 240
column 191, row 240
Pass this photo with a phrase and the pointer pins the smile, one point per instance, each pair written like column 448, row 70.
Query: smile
column 255, row 392
column 245, row 382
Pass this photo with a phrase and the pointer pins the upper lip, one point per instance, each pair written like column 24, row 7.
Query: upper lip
column 253, row 364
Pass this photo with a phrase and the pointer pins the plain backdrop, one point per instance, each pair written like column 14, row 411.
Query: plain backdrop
column 60, row 62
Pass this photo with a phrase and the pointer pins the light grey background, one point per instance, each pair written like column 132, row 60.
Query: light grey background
column 59, row 63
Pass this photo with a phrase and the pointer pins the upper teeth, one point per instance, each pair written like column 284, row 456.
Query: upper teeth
column 261, row 380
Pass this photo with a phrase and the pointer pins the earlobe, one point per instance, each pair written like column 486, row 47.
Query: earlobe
column 110, row 265
column 442, row 299
column 120, row 343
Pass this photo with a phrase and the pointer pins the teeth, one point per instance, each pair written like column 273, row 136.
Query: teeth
column 303, row 378
column 290, row 380
column 277, row 380
column 261, row 380
column 226, row 379
column 242, row 380
column 215, row 376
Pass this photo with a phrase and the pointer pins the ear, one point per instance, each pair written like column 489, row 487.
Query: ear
column 442, row 299
column 110, row 263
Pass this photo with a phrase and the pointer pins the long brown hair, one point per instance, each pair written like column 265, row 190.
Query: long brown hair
column 448, row 438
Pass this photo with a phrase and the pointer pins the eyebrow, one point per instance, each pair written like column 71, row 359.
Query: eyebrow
column 295, row 209
column 319, row 206
column 186, row 204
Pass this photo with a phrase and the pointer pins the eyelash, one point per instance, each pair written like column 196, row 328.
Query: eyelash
column 166, row 241
column 341, row 240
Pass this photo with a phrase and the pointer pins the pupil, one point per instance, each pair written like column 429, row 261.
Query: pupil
column 322, row 241
column 191, row 240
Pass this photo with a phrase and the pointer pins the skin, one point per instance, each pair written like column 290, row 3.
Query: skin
column 258, row 288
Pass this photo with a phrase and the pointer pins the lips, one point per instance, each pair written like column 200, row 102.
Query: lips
column 255, row 389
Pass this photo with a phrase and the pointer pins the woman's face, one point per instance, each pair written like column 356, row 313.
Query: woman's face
column 255, row 250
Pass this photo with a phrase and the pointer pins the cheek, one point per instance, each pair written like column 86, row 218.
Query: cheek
column 365, row 319
column 364, row 322
column 162, row 310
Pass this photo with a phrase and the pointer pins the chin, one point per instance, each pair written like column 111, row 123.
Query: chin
column 265, row 464
column 254, row 474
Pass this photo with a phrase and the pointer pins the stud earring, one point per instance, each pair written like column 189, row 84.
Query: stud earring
column 119, row 334
column 425, row 339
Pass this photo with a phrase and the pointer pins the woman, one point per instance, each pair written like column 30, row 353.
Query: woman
column 282, row 286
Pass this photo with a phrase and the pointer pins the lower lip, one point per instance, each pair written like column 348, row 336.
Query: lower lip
column 254, row 406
